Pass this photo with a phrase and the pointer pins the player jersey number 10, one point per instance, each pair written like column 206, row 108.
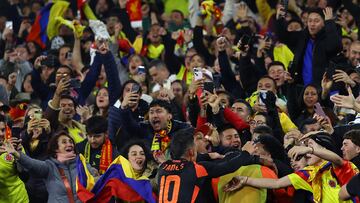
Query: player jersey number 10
column 169, row 184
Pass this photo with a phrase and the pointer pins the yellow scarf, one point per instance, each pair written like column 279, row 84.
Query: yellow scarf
column 161, row 140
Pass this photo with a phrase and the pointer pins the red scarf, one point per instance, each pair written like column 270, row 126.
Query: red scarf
column 106, row 156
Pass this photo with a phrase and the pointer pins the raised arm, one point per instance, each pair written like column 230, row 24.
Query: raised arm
column 268, row 183
column 317, row 151
column 90, row 79
column 229, row 165
column 112, row 75
column 35, row 167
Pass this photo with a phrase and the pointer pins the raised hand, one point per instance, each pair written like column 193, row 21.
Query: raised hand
column 344, row 101
column 64, row 85
column 130, row 100
column 342, row 76
column 328, row 13
column 221, row 43
column 299, row 150
column 37, row 63
column 188, row 34
column 325, row 122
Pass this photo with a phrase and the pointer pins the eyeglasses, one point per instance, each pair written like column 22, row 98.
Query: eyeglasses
column 256, row 123
column 62, row 74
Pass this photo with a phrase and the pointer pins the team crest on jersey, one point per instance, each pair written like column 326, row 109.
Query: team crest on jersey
column 9, row 157
column 332, row 183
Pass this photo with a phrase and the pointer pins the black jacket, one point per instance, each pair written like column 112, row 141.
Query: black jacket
column 122, row 119
column 327, row 44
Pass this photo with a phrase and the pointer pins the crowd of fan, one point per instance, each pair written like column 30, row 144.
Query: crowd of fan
column 264, row 97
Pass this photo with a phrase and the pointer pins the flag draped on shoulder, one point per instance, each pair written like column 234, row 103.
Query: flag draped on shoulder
column 119, row 181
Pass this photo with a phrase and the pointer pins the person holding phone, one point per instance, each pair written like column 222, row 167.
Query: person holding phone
column 130, row 98
column 35, row 137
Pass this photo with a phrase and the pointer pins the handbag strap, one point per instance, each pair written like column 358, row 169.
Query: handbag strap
column 67, row 185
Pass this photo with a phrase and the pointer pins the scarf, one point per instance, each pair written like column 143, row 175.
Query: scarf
column 315, row 178
column 161, row 140
column 106, row 155
column 63, row 157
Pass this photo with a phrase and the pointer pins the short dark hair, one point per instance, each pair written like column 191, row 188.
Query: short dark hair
column 178, row 11
column 354, row 136
column 53, row 143
column 248, row 106
column 324, row 139
column 316, row 10
column 276, row 63
column 224, row 127
column 124, row 85
column 268, row 77
column 263, row 129
column 69, row 68
column 181, row 141
column 308, row 121
column 273, row 146
column 158, row 64
column 96, row 125
column 67, row 96
column 162, row 103
column 266, row 116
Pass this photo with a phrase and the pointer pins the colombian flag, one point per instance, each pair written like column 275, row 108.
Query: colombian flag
column 46, row 26
column 119, row 181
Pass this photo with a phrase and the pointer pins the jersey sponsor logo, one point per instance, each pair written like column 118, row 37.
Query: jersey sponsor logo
column 332, row 183
column 9, row 158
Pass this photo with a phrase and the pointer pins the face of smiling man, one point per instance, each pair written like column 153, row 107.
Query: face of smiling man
column 159, row 117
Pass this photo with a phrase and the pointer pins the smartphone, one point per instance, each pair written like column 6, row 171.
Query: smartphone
column 75, row 83
column 9, row 24
column 318, row 110
column 245, row 40
column 38, row 115
column 262, row 95
column 135, row 88
column 217, row 80
column 198, row 74
column 268, row 36
column 68, row 55
column 209, row 86
column 141, row 70
column 285, row 4
column 15, row 132
column 330, row 70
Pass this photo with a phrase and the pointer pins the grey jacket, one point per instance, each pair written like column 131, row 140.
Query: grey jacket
column 48, row 170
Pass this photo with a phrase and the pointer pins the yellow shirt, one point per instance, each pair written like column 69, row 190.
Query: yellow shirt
column 77, row 132
column 12, row 189
column 247, row 194
column 320, row 181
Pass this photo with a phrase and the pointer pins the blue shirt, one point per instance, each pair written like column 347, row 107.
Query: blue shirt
column 307, row 73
